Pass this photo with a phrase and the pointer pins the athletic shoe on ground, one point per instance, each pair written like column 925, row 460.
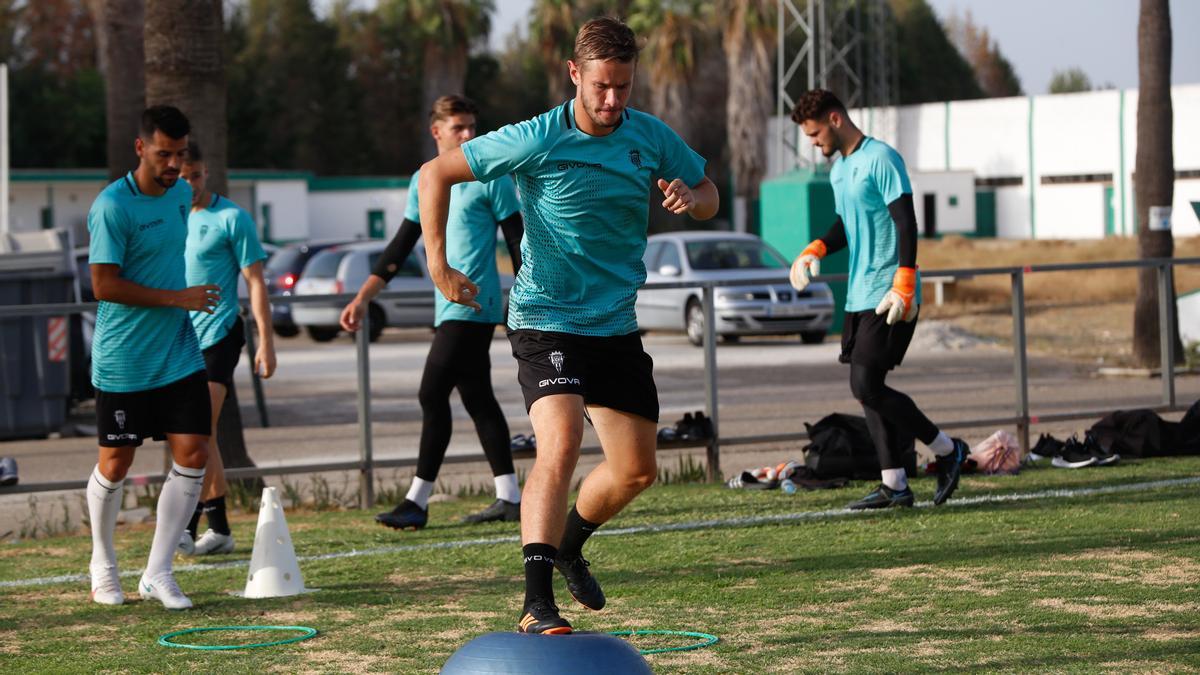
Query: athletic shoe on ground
column 949, row 468
column 541, row 616
column 884, row 497
column 580, row 582
column 186, row 545
column 1074, row 455
column 1047, row 447
column 8, row 471
column 499, row 510
column 214, row 542
column 1103, row 457
column 106, row 585
column 164, row 589
column 406, row 516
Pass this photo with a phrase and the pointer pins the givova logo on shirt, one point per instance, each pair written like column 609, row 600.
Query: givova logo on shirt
column 572, row 164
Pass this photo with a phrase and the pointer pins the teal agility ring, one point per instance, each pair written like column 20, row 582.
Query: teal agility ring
column 165, row 640
column 706, row 639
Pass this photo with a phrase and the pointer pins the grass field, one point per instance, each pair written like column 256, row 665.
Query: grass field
column 1046, row 582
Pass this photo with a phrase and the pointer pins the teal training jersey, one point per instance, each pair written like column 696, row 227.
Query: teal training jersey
column 476, row 210
column 222, row 239
column 585, row 201
column 864, row 183
column 140, row 348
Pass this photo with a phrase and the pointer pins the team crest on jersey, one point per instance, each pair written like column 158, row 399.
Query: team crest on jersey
column 636, row 158
column 203, row 231
column 556, row 359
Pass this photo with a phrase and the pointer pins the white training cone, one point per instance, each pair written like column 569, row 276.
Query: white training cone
column 274, row 571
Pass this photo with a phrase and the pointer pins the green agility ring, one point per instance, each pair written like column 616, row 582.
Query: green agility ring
column 706, row 639
column 165, row 640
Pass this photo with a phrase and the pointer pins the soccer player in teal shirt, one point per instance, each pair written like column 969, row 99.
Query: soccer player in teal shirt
column 458, row 358
column 222, row 243
column 584, row 170
column 876, row 222
column 146, row 363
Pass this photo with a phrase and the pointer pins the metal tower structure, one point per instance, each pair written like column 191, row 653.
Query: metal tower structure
column 846, row 46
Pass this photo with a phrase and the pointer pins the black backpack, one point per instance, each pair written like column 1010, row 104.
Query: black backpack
column 841, row 447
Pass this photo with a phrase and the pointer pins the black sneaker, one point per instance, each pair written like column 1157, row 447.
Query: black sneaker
column 541, row 616
column 949, row 468
column 580, row 582
column 406, row 516
column 1047, row 447
column 1103, row 457
column 884, row 497
column 1074, row 455
column 499, row 510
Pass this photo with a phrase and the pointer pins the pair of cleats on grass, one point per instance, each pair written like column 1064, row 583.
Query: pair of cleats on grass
column 949, row 469
column 408, row 515
column 540, row 615
column 106, row 588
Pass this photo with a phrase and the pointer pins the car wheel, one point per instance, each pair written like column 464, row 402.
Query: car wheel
column 812, row 337
column 322, row 333
column 287, row 331
column 695, row 322
column 378, row 322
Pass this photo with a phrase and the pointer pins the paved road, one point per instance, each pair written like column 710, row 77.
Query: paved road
column 766, row 386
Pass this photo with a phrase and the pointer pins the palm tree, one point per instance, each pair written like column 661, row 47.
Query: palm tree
column 447, row 29
column 553, row 28
column 672, row 30
column 749, row 34
column 1154, row 172
column 118, row 25
column 185, row 67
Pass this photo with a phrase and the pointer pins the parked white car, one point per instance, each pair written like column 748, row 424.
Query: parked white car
column 753, row 309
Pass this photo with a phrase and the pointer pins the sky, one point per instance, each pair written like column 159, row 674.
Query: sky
column 1037, row 36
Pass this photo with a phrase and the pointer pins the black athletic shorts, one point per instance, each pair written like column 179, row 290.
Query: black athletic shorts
column 611, row 372
column 130, row 418
column 222, row 358
column 868, row 340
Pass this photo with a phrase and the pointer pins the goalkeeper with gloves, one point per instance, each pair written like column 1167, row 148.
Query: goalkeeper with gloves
column 878, row 225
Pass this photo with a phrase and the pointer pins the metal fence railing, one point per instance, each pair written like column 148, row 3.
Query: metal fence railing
column 1021, row 418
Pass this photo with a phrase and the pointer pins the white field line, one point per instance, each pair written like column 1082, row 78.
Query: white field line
column 745, row 521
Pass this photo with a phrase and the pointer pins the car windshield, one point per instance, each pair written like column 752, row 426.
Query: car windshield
column 733, row 254
column 324, row 265
column 286, row 260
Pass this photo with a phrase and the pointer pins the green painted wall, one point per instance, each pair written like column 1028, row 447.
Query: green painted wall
column 796, row 208
column 985, row 213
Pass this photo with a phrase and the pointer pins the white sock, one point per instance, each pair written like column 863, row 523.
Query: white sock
column 895, row 479
column 104, row 499
column 176, row 503
column 419, row 491
column 507, row 488
column 942, row 445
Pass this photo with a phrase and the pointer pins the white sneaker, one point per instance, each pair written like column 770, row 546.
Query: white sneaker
column 213, row 542
column 186, row 546
column 164, row 589
column 106, row 585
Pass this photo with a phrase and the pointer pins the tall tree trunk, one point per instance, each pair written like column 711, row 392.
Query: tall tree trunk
column 118, row 25
column 185, row 67
column 445, row 73
column 748, row 108
column 1154, row 169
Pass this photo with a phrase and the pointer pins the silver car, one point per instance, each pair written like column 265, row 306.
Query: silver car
column 753, row 309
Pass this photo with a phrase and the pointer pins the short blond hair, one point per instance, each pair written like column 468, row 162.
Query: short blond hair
column 448, row 106
column 605, row 38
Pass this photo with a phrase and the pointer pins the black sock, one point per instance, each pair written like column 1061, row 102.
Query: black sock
column 539, row 571
column 215, row 510
column 195, row 521
column 575, row 534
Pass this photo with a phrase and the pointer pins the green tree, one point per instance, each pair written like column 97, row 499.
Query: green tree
column 118, row 29
column 1070, row 81
column 993, row 72
column 929, row 66
column 1154, row 173
column 673, row 31
column 749, row 39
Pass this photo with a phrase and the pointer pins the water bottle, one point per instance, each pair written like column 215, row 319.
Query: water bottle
column 788, row 487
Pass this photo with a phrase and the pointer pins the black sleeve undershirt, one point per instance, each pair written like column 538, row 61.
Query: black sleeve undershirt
column 905, row 215
column 398, row 250
column 835, row 238
column 514, row 229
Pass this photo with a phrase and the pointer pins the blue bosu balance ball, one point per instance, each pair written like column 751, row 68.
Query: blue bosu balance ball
column 574, row 654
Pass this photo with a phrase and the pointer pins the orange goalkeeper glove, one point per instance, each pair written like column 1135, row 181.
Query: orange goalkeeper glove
column 900, row 302
column 808, row 264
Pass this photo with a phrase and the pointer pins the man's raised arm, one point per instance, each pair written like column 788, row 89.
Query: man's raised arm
column 436, row 178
